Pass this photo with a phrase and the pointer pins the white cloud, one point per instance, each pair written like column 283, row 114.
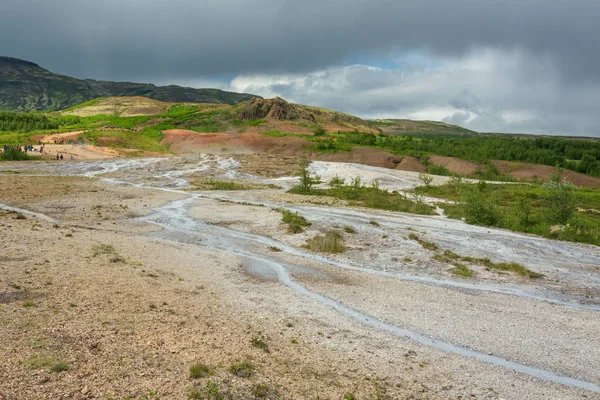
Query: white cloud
column 487, row 90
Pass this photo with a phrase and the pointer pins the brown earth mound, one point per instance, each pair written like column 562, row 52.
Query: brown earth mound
column 270, row 109
column 455, row 165
column 409, row 163
column 526, row 171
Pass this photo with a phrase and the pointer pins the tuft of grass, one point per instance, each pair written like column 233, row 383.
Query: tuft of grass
column 374, row 223
column 462, row 270
column 331, row 242
column 199, row 370
column 349, row 229
column 260, row 342
column 226, row 185
column 275, row 249
column 244, row 369
column 358, row 194
column 29, row 304
column 103, row 249
column 349, row 396
column 337, row 181
column 451, row 257
column 212, row 391
column 426, row 245
column 296, row 223
column 260, row 391
column 50, row 363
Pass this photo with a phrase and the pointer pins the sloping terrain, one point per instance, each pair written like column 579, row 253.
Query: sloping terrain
column 525, row 171
column 119, row 106
column 25, row 86
column 425, row 128
column 115, row 287
column 278, row 109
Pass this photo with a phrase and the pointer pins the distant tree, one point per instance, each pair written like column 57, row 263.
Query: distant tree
column 307, row 181
column 560, row 198
column 319, row 131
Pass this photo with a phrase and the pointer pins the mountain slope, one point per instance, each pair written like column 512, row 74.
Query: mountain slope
column 25, row 86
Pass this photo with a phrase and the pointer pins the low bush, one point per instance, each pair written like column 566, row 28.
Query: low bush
column 331, row 242
column 296, row 223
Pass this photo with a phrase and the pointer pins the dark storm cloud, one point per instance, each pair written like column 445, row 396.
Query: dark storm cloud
column 147, row 39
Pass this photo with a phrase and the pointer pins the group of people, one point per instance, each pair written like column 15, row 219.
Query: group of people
column 26, row 148
column 29, row 148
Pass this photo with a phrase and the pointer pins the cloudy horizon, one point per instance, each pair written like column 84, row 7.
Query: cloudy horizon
column 527, row 66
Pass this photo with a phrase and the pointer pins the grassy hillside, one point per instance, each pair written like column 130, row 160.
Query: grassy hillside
column 420, row 128
column 25, row 86
column 140, row 123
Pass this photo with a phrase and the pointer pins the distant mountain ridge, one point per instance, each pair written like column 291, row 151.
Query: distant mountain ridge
column 25, row 86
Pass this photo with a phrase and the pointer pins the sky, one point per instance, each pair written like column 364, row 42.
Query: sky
column 528, row 66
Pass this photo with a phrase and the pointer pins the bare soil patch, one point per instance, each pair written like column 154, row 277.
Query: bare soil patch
column 455, row 165
column 409, row 163
column 526, row 171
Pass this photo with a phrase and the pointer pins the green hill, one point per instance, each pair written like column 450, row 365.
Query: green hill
column 25, row 86
column 421, row 128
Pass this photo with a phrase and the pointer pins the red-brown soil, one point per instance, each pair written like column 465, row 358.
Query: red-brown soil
column 182, row 142
column 409, row 163
column 455, row 165
column 526, row 171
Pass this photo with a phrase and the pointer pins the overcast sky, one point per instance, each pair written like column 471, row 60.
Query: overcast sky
column 490, row 65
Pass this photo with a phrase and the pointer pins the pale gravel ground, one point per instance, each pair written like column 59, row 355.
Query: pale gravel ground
column 557, row 338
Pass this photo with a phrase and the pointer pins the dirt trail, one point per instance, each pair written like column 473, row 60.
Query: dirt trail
column 491, row 332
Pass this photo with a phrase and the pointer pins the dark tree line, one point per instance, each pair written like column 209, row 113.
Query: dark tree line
column 28, row 122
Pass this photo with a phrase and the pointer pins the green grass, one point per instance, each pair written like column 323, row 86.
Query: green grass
column 424, row 243
column 226, row 185
column 357, row 194
column 88, row 103
column 349, row 229
column 244, row 369
column 200, row 370
column 296, row 223
column 12, row 154
column 50, row 363
column 260, row 342
column 126, row 139
column 451, row 257
column 462, row 270
column 521, row 208
column 100, row 248
column 331, row 242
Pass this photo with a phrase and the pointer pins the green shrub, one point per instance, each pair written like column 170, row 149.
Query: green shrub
column 480, row 208
column 319, row 131
column 560, row 199
column 243, row 369
column 331, row 242
column 296, row 223
column 260, row 342
column 307, row 181
column 199, row 370
column 260, row 391
column 349, row 229
column 13, row 154
column 336, row 181
column 462, row 270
